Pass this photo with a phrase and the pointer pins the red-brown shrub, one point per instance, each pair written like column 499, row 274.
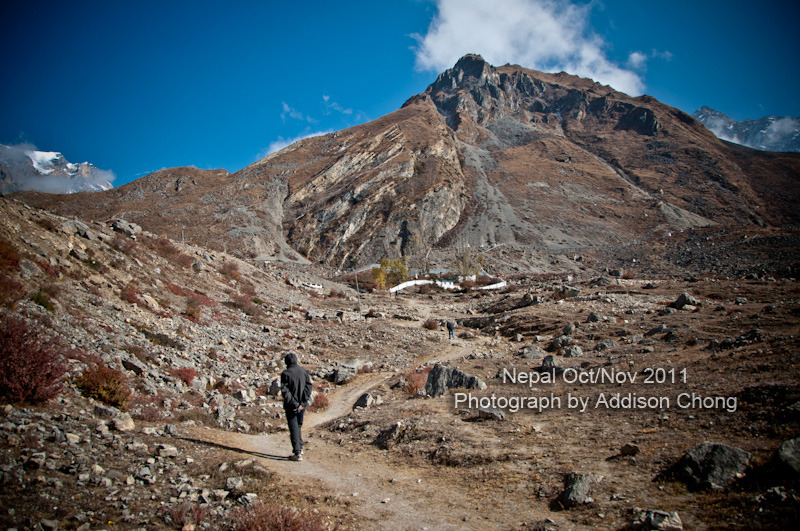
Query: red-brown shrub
column 275, row 517
column 178, row 290
column 10, row 290
column 123, row 244
column 416, row 380
column 9, row 256
column 245, row 303
column 31, row 367
column 230, row 270
column 105, row 384
column 187, row 374
column 130, row 294
column 320, row 402
column 431, row 324
column 167, row 249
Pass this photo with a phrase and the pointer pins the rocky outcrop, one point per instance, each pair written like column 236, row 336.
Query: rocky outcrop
column 442, row 378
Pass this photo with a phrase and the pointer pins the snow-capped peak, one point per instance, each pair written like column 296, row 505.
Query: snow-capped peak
column 26, row 168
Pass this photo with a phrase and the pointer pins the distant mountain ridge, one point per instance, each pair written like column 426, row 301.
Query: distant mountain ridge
column 770, row 133
column 530, row 166
column 25, row 168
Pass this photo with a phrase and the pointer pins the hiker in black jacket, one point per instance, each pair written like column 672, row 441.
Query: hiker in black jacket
column 296, row 391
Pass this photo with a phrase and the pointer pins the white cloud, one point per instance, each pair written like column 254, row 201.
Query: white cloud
column 333, row 106
column 637, row 60
column 547, row 35
column 294, row 114
column 782, row 130
column 281, row 143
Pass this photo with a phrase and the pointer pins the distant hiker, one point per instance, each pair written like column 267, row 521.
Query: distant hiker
column 296, row 391
column 451, row 326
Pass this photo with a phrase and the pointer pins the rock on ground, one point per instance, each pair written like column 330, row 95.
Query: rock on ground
column 442, row 378
column 712, row 466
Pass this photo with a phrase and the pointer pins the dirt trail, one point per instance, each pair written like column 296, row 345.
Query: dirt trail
column 384, row 495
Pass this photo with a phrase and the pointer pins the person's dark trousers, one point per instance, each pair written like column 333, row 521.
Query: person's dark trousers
column 295, row 420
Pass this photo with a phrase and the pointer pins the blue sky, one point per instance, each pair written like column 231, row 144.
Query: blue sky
column 134, row 87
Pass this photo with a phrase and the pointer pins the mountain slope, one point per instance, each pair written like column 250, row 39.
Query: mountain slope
column 540, row 164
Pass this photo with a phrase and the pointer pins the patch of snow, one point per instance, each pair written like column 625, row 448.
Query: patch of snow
column 43, row 160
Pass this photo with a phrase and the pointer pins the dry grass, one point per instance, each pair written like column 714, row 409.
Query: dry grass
column 273, row 516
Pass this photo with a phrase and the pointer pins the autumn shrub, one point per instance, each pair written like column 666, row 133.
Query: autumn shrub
column 230, row 270
column 31, row 366
column 46, row 223
column 468, row 285
column 43, row 299
column 193, row 309
column 185, row 515
column 167, row 249
column 186, row 374
column 105, row 384
column 123, row 244
column 273, row 516
column 10, row 290
column 245, row 303
column 430, row 324
column 319, row 403
column 130, row 294
column 9, row 256
column 416, row 380
column 430, row 289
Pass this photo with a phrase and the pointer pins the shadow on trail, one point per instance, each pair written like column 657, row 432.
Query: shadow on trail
column 236, row 449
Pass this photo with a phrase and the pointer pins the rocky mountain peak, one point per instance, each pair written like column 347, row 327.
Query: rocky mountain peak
column 473, row 65
column 769, row 133
column 25, row 168
column 505, row 158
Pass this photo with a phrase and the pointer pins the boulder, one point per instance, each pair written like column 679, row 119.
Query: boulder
column 346, row 371
column 573, row 351
column 364, row 401
column 655, row 520
column 442, row 378
column 789, row 454
column 135, row 366
column 577, row 490
column 126, row 227
column 532, row 351
column 712, row 466
column 274, row 387
column 559, row 343
column 124, row 422
column 167, row 450
column 684, row 300
column 487, row 413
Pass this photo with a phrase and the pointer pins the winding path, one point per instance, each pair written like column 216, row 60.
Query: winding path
column 382, row 494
